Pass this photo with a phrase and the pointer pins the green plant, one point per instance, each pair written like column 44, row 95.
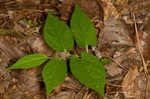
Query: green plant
column 86, row 68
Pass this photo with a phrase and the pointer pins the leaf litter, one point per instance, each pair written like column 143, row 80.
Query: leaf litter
column 117, row 42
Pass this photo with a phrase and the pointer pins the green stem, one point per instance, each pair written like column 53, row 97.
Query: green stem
column 86, row 48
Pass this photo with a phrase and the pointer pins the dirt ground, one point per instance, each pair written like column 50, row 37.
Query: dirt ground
column 123, row 34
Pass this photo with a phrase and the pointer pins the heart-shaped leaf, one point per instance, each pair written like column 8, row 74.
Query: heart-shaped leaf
column 82, row 28
column 29, row 61
column 53, row 74
column 57, row 34
column 89, row 71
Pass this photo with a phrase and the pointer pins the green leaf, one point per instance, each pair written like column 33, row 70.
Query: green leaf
column 53, row 74
column 105, row 61
column 83, row 29
column 27, row 22
column 57, row 34
column 89, row 71
column 29, row 61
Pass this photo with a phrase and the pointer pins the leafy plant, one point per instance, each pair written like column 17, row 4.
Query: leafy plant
column 57, row 34
column 89, row 70
column 82, row 28
column 86, row 68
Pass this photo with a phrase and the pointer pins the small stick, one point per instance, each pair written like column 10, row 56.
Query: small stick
column 139, row 46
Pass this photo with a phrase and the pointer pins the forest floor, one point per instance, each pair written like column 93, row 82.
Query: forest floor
column 123, row 36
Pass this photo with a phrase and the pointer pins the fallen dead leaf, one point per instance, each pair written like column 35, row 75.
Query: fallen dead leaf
column 134, row 84
column 128, row 84
column 116, row 33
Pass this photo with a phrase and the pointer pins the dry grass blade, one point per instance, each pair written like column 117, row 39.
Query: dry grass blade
column 122, row 67
column 139, row 48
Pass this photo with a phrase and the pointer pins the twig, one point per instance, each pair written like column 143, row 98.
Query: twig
column 143, row 60
column 119, row 65
column 139, row 46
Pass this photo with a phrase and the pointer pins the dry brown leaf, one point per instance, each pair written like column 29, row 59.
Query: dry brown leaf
column 145, row 42
column 134, row 84
column 128, row 84
column 116, row 32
